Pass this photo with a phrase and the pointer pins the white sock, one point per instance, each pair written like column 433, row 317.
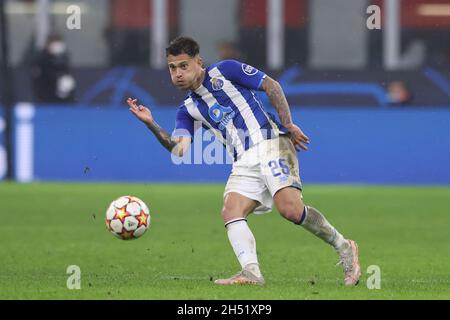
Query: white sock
column 244, row 244
column 316, row 223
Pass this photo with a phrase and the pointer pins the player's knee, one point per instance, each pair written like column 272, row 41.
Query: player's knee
column 231, row 212
column 291, row 211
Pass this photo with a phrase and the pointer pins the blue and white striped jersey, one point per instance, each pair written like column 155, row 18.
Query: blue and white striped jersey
column 226, row 104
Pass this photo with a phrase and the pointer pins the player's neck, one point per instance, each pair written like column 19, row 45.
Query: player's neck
column 199, row 81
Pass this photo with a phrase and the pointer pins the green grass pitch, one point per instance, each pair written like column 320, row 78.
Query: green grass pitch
column 47, row 227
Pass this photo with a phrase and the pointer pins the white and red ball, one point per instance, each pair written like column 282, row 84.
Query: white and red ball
column 128, row 218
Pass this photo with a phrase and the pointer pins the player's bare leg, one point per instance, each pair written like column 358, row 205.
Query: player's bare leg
column 235, row 210
column 290, row 205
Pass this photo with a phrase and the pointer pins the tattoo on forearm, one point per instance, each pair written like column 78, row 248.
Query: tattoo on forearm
column 278, row 100
column 162, row 136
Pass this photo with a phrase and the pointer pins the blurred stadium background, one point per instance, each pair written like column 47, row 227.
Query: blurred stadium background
column 374, row 102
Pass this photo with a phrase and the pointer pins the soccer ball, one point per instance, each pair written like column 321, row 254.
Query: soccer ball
column 127, row 218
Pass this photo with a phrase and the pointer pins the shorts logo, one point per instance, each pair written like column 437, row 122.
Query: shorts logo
column 249, row 70
column 217, row 84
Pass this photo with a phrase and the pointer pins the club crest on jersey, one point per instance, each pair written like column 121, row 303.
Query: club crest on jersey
column 217, row 84
column 249, row 70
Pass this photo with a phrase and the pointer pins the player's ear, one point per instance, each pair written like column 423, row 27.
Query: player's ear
column 200, row 61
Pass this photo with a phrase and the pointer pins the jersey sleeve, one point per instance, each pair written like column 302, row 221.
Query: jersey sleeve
column 184, row 124
column 242, row 74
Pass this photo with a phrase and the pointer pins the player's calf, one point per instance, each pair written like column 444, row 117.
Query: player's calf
column 314, row 221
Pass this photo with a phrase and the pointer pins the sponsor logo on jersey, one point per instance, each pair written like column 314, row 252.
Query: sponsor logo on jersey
column 249, row 70
column 217, row 84
column 221, row 115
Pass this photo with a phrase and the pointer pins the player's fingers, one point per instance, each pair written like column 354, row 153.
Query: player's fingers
column 300, row 146
column 294, row 142
column 301, row 139
column 304, row 138
column 134, row 110
column 304, row 147
column 298, row 140
column 131, row 104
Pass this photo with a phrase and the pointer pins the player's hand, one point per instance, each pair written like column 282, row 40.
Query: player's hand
column 299, row 139
column 141, row 112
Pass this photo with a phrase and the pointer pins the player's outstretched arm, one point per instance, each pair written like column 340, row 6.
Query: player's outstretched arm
column 277, row 98
column 178, row 146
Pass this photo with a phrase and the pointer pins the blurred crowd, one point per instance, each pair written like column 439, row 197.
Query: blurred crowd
column 127, row 38
column 52, row 77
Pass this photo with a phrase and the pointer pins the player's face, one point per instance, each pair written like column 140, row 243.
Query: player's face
column 185, row 71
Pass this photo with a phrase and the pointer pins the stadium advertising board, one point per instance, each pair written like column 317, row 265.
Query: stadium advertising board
column 3, row 162
column 347, row 146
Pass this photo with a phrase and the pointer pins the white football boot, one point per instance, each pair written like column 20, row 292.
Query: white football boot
column 243, row 277
column 350, row 263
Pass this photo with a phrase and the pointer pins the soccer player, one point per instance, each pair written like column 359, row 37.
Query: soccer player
column 265, row 167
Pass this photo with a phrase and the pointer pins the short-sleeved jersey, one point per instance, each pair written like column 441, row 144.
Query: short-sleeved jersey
column 226, row 104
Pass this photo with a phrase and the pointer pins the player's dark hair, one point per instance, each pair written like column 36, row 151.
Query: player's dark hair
column 182, row 45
